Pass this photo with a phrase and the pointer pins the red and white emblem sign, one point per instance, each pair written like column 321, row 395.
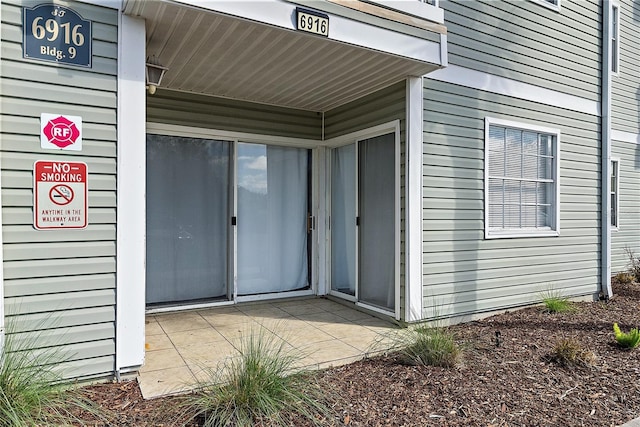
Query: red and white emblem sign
column 60, row 195
column 58, row 132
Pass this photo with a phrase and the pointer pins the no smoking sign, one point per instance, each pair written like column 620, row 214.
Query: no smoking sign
column 60, row 195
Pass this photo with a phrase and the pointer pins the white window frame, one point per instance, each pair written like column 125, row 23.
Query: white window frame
column 553, row 5
column 615, row 191
column 615, row 37
column 554, row 230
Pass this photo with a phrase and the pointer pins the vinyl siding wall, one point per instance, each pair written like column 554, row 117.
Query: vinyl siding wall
column 200, row 111
column 625, row 117
column 60, row 285
column 628, row 233
column 625, row 108
column 381, row 107
column 525, row 41
column 462, row 272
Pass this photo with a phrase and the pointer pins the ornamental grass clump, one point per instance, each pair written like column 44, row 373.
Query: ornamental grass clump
column 426, row 345
column 628, row 340
column 555, row 302
column 260, row 383
column 31, row 389
column 569, row 353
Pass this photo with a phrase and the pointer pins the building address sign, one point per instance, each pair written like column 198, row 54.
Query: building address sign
column 56, row 33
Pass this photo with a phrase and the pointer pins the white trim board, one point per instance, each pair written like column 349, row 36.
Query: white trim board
column 413, row 200
column 131, row 214
column 279, row 13
column 503, row 86
column 618, row 135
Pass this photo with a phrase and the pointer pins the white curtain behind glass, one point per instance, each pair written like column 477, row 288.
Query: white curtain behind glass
column 187, row 218
column 272, row 215
column 376, row 233
column 343, row 219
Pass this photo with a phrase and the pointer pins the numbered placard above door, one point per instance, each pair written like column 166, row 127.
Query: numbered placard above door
column 57, row 34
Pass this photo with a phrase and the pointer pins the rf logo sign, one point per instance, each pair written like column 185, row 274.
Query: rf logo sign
column 60, row 132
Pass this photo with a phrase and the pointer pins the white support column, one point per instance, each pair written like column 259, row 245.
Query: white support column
column 130, row 309
column 413, row 200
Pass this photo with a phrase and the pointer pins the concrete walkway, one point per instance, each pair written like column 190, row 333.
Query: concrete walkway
column 181, row 347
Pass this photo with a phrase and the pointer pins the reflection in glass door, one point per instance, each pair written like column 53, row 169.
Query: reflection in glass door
column 272, row 204
column 343, row 223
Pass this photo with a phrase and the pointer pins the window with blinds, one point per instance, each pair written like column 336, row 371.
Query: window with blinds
column 521, row 180
column 615, row 172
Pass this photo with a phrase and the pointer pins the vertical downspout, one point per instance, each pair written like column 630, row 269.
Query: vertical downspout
column 605, row 105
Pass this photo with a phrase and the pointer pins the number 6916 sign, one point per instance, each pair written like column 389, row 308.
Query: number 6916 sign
column 57, row 34
column 312, row 22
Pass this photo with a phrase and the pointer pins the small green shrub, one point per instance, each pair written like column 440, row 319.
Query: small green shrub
column 629, row 339
column 569, row 353
column 555, row 302
column 426, row 345
column 261, row 383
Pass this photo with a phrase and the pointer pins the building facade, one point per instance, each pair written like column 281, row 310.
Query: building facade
column 414, row 159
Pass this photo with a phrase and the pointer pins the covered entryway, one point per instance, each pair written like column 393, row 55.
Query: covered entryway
column 243, row 136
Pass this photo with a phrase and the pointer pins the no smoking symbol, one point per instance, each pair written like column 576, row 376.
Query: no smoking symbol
column 61, row 194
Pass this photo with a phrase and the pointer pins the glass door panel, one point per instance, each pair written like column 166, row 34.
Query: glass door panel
column 187, row 219
column 272, row 197
column 343, row 220
column 376, row 211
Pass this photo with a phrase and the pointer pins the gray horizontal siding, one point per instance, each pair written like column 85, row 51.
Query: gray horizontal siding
column 186, row 109
column 464, row 273
column 625, row 108
column 60, row 285
column 524, row 41
column 628, row 234
column 381, row 107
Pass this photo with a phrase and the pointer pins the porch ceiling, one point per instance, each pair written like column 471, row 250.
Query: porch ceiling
column 213, row 53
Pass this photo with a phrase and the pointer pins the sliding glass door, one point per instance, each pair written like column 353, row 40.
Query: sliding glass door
column 272, row 194
column 363, row 221
column 187, row 219
column 376, row 221
column 198, row 190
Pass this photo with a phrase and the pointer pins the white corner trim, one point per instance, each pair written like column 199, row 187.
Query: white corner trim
column 2, row 323
column 618, row 135
column 413, row 200
column 130, row 260
column 491, row 83
column 444, row 51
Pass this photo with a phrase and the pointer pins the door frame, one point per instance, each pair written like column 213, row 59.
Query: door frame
column 354, row 138
column 234, row 138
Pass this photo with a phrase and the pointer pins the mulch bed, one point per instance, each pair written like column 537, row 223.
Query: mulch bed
column 508, row 381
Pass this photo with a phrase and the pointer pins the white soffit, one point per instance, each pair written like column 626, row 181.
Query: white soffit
column 213, row 53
